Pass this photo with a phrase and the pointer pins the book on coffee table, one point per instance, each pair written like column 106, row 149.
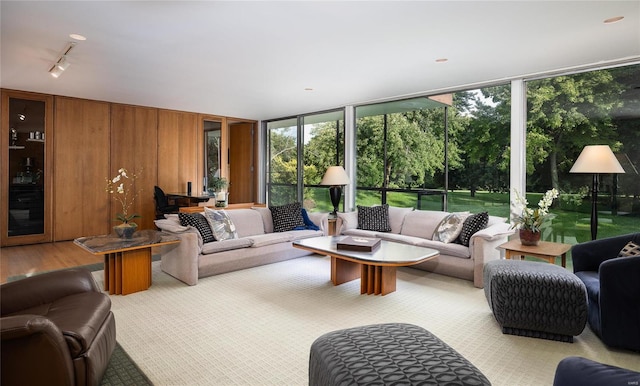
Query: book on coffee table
column 359, row 244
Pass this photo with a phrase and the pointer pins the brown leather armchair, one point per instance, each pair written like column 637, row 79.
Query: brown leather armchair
column 57, row 328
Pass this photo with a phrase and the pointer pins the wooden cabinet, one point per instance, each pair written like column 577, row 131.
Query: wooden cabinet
column 27, row 168
column 180, row 151
column 81, row 156
column 134, row 146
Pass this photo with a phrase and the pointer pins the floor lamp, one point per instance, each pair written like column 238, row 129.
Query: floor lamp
column 336, row 178
column 596, row 159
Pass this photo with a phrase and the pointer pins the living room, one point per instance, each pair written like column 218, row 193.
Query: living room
column 96, row 121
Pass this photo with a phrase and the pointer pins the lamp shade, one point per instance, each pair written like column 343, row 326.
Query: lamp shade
column 597, row 159
column 335, row 176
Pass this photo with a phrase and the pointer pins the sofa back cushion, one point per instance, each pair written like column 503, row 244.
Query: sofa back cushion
column 422, row 223
column 248, row 222
column 396, row 217
column 267, row 219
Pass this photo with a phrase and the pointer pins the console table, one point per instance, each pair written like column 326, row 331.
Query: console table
column 127, row 262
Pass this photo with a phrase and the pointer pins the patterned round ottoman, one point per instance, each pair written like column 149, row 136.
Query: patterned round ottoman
column 383, row 354
column 535, row 299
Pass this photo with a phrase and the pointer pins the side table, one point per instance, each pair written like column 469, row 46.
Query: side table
column 545, row 250
column 127, row 262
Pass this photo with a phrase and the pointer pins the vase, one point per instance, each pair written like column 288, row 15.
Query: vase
column 529, row 237
column 125, row 231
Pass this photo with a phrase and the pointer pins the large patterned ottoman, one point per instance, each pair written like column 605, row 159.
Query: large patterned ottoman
column 535, row 299
column 384, row 354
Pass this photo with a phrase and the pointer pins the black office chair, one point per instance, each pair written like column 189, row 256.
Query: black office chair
column 162, row 203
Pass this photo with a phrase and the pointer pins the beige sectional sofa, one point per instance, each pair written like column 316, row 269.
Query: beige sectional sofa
column 417, row 227
column 257, row 244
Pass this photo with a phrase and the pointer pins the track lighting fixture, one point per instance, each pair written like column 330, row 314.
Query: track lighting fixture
column 62, row 63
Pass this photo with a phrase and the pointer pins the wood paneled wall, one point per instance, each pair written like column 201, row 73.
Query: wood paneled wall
column 81, row 162
column 89, row 141
column 180, row 151
column 134, row 146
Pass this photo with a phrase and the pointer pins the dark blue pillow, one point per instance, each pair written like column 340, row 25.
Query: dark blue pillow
column 308, row 224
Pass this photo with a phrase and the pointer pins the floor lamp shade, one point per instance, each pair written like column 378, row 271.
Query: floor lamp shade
column 336, row 178
column 596, row 159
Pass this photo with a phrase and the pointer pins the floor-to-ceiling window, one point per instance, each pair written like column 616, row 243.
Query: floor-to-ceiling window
column 400, row 153
column 282, row 165
column 565, row 113
column 300, row 151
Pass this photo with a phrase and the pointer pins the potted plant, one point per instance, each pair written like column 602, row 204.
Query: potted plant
column 529, row 222
column 218, row 185
column 122, row 188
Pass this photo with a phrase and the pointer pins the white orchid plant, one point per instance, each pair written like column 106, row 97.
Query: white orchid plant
column 122, row 188
column 532, row 219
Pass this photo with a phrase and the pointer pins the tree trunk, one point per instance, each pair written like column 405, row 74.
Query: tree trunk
column 553, row 164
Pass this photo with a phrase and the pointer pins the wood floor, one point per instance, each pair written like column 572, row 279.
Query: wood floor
column 29, row 259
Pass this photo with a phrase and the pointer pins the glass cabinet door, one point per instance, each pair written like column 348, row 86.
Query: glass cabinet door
column 26, row 201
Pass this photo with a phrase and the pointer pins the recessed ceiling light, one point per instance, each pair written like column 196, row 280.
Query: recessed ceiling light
column 308, row 89
column 613, row 19
column 77, row 37
column 441, row 60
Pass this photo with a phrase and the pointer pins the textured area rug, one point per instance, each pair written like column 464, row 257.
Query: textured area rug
column 255, row 326
column 122, row 371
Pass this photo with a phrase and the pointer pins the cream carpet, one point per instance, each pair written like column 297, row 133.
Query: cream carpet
column 255, row 327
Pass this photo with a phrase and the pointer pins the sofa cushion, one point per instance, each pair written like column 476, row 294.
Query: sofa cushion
column 198, row 221
column 267, row 219
column 450, row 249
column 349, row 220
column 221, row 224
column 304, row 234
column 374, row 218
column 361, row 233
column 396, row 217
column 286, row 217
column 248, row 222
column 226, row 245
column 422, row 223
column 269, row 239
column 171, row 225
column 630, row 249
column 450, row 227
column 472, row 224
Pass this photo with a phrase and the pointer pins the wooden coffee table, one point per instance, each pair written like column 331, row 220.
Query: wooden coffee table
column 127, row 262
column 545, row 250
column 376, row 270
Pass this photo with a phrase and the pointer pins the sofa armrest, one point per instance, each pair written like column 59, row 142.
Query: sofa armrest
column 588, row 256
column 321, row 219
column 34, row 352
column 618, row 300
column 45, row 288
column 483, row 247
column 181, row 260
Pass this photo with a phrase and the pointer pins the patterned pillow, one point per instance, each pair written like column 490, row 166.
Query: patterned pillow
column 471, row 225
column 221, row 225
column 286, row 217
column 450, row 227
column 197, row 221
column 629, row 250
column 374, row 218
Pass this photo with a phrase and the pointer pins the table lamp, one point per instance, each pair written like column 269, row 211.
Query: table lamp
column 336, row 178
column 596, row 159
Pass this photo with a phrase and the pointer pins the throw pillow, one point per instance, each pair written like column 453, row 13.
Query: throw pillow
column 286, row 217
column 308, row 224
column 629, row 250
column 197, row 221
column 472, row 224
column 221, row 225
column 450, row 227
column 374, row 218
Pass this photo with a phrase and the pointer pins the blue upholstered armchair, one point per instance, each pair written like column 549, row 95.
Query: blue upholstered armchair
column 613, row 287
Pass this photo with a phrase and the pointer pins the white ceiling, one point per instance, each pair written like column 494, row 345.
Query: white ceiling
column 255, row 59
